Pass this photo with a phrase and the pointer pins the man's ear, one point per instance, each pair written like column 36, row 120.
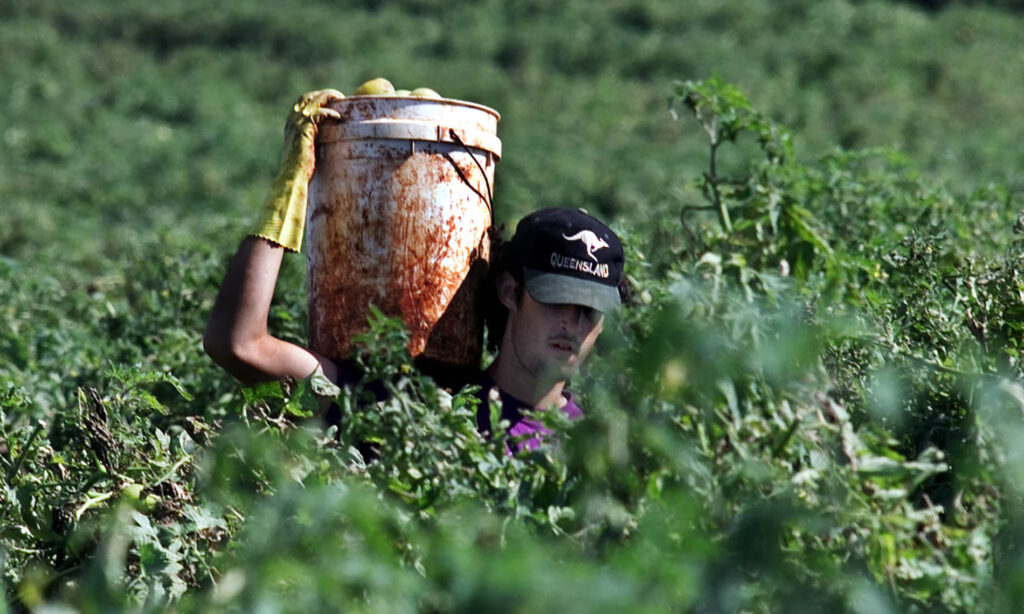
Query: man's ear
column 507, row 291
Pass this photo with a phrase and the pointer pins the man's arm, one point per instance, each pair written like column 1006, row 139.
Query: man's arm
column 236, row 336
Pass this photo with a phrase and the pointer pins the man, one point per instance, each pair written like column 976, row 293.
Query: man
column 557, row 278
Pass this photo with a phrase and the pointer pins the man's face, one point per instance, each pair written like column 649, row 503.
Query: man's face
column 550, row 341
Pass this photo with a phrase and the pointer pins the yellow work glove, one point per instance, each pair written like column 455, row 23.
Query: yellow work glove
column 283, row 216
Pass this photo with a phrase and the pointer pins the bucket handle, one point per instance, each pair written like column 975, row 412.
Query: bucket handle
column 490, row 193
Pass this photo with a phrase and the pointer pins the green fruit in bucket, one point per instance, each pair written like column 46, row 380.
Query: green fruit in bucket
column 425, row 92
column 375, row 87
column 402, row 92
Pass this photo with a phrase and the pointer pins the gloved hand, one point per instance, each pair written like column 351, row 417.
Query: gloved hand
column 283, row 216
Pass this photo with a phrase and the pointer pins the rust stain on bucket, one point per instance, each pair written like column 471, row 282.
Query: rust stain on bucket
column 398, row 217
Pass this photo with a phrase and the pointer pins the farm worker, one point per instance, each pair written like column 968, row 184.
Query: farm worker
column 555, row 280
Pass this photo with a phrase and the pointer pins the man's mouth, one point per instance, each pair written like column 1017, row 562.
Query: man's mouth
column 564, row 345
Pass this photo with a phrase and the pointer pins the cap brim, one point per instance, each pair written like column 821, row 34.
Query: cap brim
column 564, row 289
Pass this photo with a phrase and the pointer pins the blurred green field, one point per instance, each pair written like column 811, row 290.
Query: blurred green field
column 127, row 121
column 813, row 409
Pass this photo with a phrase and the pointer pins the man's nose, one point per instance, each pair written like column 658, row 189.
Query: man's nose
column 572, row 318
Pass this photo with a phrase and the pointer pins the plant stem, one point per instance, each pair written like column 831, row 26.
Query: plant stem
column 171, row 471
column 716, row 197
column 13, row 471
column 90, row 502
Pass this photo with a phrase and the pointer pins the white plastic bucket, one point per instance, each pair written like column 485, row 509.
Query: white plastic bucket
column 399, row 209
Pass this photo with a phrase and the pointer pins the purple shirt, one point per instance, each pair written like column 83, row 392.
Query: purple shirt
column 519, row 425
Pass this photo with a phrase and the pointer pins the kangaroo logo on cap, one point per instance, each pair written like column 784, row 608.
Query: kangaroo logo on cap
column 589, row 239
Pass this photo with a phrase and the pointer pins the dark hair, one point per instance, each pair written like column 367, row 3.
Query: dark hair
column 505, row 260
column 495, row 313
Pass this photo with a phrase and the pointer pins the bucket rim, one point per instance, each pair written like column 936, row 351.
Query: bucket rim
column 420, row 99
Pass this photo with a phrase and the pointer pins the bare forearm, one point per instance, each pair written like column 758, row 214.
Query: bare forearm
column 236, row 336
column 265, row 359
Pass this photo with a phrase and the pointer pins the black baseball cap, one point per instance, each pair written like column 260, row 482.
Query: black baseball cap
column 570, row 257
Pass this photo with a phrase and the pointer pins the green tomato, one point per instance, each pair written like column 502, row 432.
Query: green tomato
column 133, row 491
column 425, row 92
column 375, row 87
column 149, row 503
